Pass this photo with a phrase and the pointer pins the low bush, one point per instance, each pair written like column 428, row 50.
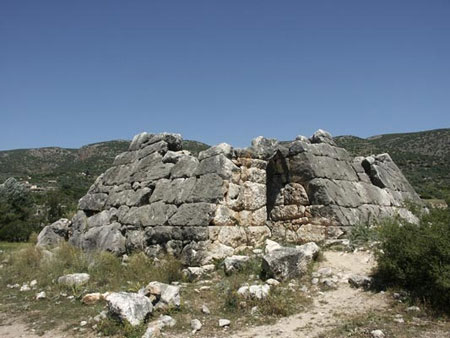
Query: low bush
column 417, row 258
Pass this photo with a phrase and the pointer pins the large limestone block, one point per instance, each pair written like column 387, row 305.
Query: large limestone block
column 154, row 172
column 256, row 235
column 130, row 198
column 325, row 192
column 106, row 237
column 384, row 173
column 253, row 175
column 222, row 148
column 322, row 136
column 306, row 166
column 126, row 157
column 119, row 174
column 142, row 140
column 176, row 192
column 231, row 236
column 295, row 193
column 253, row 195
column 286, row 263
column 156, row 213
column 218, row 164
column 185, row 167
column 286, row 212
column 101, row 218
column 92, row 202
column 194, row 214
column 54, row 233
column 208, row 188
column 224, row 216
column 264, row 148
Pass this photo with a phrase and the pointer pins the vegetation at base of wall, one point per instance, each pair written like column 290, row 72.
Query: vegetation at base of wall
column 416, row 258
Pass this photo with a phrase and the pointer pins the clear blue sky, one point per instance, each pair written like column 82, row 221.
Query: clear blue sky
column 82, row 71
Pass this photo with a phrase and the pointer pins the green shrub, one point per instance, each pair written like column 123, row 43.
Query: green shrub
column 417, row 258
column 363, row 233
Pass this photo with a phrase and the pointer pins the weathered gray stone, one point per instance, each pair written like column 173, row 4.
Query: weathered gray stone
column 199, row 214
column 322, row 136
column 234, row 263
column 359, row 281
column 168, row 295
column 285, row 263
column 208, row 188
column 264, row 147
column 223, row 148
column 130, row 198
column 54, row 233
column 74, row 279
column 92, row 202
column 130, row 307
column 185, row 167
column 157, row 213
column 107, row 238
column 218, row 164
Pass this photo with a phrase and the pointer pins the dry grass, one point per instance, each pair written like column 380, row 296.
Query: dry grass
column 63, row 308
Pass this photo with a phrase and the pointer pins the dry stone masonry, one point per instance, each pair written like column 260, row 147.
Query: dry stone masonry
column 158, row 197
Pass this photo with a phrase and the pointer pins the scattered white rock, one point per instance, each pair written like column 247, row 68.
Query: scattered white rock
column 83, row 323
column 25, row 287
column 413, row 309
column 33, row 283
column 41, row 295
column 258, row 251
column 193, row 273
column 254, row 291
column 131, row 307
column 272, row 282
column 152, row 331
column 377, row 334
column 74, row 279
column 196, row 325
column 254, row 310
column 167, row 321
column 168, row 295
column 92, row 298
column 271, row 246
column 205, row 309
column 224, row 322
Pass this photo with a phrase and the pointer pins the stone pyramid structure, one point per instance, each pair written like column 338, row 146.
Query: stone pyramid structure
column 158, row 197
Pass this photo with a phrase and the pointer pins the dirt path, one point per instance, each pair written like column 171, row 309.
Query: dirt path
column 330, row 307
column 15, row 328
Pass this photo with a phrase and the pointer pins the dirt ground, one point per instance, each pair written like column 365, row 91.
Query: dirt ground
column 328, row 311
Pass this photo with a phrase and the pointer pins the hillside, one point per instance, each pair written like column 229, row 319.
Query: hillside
column 424, row 157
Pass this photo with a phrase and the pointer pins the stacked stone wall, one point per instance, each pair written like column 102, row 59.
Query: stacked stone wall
column 158, row 197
